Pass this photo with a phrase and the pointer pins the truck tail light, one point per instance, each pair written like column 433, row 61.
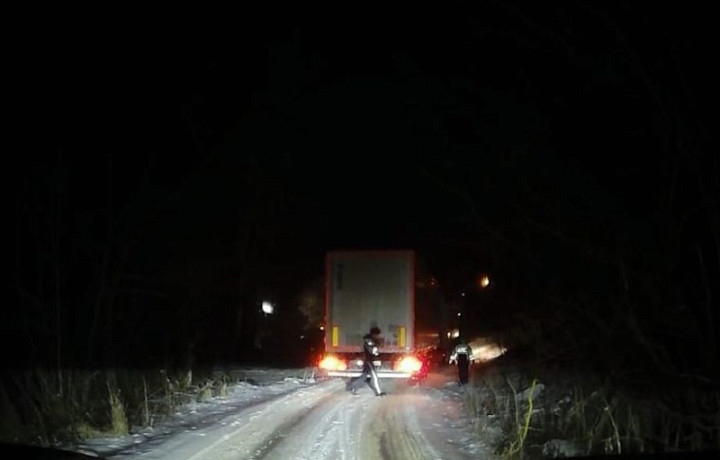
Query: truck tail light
column 408, row 364
column 332, row 363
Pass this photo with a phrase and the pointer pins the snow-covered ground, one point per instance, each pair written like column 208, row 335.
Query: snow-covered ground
column 284, row 417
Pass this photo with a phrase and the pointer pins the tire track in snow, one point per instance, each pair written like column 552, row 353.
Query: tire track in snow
column 316, row 436
column 395, row 437
column 326, row 433
column 332, row 434
column 282, row 432
column 323, row 422
column 414, row 427
column 251, row 435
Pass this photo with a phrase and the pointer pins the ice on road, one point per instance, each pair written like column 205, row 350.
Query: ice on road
column 292, row 420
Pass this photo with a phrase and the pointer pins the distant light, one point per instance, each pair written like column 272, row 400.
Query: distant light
column 463, row 294
column 302, row 337
column 484, row 281
column 322, row 328
column 454, row 334
column 459, row 314
column 267, row 308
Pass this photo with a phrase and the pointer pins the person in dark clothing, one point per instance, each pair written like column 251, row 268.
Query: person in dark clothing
column 462, row 355
column 369, row 375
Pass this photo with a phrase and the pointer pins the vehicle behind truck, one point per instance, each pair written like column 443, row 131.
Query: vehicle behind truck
column 365, row 289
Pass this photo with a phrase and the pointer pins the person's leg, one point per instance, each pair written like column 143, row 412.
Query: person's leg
column 357, row 382
column 373, row 382
column 463, row 369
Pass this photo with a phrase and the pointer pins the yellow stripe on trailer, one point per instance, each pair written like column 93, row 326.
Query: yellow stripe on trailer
column 335, row 336
column 401, row 336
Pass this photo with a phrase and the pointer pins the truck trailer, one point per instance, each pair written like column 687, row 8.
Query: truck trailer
column 365, row 289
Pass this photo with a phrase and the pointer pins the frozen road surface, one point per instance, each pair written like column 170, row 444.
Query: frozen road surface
column 323, row 421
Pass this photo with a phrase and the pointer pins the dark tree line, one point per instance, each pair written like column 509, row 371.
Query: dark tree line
column 564, row 149
column 598, row 207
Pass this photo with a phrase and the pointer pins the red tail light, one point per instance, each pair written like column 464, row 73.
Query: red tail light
column 332, row 363
column 408, row 364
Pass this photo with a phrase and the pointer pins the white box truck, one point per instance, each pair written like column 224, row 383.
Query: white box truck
column 365, row 289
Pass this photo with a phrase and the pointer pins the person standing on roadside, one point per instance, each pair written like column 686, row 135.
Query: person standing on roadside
column 461, row 356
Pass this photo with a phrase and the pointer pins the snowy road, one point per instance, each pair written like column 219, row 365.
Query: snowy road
column 324, row 421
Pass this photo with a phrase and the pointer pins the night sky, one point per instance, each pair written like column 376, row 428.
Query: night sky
column 177, row 174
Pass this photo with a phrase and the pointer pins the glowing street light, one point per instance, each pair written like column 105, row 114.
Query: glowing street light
column 484, row 281
column 267, row 308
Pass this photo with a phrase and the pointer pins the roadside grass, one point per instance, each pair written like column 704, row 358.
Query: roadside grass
column 525, row 417
column 536, row 403
column 42, row 407
column 587, row 378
